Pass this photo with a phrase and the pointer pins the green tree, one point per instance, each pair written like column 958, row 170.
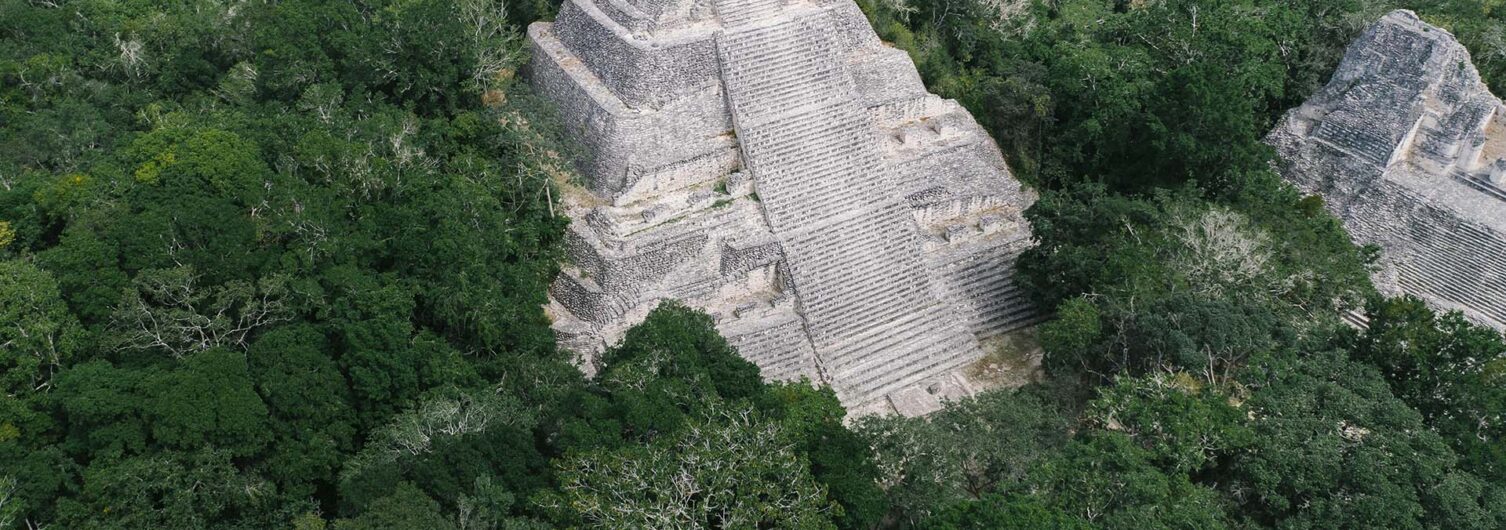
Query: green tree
column 7, row 235
column 728, row 470
column 674, row 372
column 271, row 229
column 1178, row 284
column 443, row 446
column 39, row 334
column 1450, row 370
column 995, row 512
column 1334, row 448
column 1108, row 480
column 307, row 396
column 1185, row 425
column 840, row 458
column 209, row 401
column 88, row 274
column 406, row 507
column 665, row 371
column 972, row 449
column 173, row 490
column 102, row 409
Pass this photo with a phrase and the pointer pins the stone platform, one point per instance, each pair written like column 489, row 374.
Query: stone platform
column 1408, row 147
column 773, row 163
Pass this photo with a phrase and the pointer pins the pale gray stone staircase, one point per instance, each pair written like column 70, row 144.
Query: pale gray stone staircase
column 875, row 320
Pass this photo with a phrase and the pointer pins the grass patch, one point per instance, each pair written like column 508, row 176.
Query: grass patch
column 1013, row 359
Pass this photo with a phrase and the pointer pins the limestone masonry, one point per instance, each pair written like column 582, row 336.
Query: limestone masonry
column 774, row 164
column 1406, row 145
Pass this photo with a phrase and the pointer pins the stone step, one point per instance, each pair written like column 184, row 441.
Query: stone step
column 782, row 352
column 911, row 363
column 853, row 254
column 736, row 13
column 885, row 335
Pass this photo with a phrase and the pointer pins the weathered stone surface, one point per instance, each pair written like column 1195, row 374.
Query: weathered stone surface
column 773, row 163
column 1406, row 146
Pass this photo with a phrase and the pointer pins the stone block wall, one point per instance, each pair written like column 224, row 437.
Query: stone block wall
column 641, row 72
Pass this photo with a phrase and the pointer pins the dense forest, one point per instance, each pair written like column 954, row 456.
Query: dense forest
column 282, row 265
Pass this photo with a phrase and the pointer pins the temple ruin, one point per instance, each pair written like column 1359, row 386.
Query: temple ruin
column 775, row 164
column 1408, row 147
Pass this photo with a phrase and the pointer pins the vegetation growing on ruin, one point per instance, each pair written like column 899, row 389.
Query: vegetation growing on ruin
column 281, row 265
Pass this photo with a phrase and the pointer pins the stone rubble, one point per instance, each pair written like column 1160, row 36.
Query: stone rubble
column 1407, row 146
column 773, row 163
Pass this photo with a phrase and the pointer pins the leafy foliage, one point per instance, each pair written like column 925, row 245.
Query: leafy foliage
column 283, row 265
column 971, row 450
column 1175, row 283
column 678, row 431
column 39, row 334
column 1198, row 298
column 728, row 470
column 244, row 244
column 1451, row 371
column 1334, row 448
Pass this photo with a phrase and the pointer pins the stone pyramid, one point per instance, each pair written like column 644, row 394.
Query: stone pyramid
column 774, row 164
column 1408, row 147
